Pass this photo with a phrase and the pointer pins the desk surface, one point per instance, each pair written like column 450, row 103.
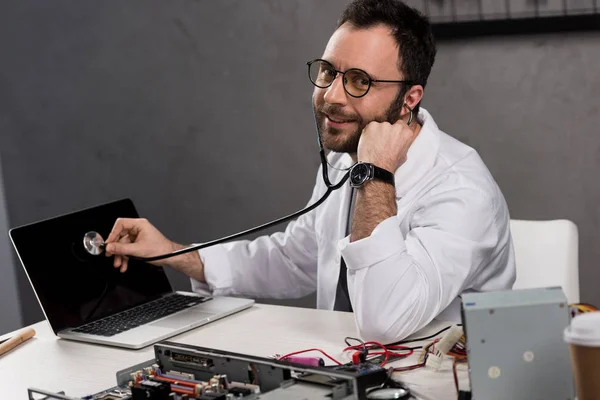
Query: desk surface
column 50, row 363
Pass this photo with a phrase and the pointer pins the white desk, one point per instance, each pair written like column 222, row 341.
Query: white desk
column 50, row 363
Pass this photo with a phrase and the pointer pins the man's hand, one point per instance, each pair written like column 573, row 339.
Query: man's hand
column 385, row 145
column 139, row 238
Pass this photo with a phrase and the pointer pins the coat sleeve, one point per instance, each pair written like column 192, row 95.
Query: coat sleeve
column 281, row 265
column 398, row 284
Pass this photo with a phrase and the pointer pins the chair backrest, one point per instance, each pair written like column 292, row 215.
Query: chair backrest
column 547, row 254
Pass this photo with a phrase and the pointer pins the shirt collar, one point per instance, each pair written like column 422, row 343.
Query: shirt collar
column 421, row 155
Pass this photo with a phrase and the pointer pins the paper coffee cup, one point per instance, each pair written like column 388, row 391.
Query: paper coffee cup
column 583, row 337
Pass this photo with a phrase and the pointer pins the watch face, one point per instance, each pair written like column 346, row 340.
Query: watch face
column 359, row 174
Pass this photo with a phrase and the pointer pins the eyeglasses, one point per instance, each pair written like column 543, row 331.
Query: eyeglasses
column 356, row 82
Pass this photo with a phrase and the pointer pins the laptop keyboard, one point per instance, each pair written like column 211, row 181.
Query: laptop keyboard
column 140, row 315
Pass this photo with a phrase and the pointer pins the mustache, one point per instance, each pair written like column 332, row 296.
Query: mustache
column 336, row 112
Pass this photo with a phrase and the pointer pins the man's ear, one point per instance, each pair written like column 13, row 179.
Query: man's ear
column 413, row 97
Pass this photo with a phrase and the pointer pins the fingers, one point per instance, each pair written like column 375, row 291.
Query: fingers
column 118, row 259
column 124, row 264
column 124, row 226
column 124, row 259
column 122, row 248
column 121, row 262
column 400, row 122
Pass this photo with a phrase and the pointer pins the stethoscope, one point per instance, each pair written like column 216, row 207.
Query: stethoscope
column 95, row 245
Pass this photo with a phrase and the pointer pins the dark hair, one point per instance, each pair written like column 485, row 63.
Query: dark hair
column 411, row 30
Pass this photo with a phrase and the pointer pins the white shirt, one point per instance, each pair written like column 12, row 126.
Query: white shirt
column 450, row 235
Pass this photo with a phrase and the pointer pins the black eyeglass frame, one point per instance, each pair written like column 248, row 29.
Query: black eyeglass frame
column 343, row 73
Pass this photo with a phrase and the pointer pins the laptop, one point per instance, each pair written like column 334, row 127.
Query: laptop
column 85, row 298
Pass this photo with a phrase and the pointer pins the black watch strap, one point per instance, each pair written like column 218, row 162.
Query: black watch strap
column 363, row 172
column 383, row 175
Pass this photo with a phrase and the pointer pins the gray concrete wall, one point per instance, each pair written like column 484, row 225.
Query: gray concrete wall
column 10, row 310
column 200, row 112
column 530, row 106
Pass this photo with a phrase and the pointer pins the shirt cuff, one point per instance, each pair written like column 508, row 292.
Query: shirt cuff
column 217, row 271
column 200, row 287
column 385, row 241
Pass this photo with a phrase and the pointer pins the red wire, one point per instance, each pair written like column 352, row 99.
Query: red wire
column 409, row 368
column 171, row 380
column 306, row 351
column 181, row 391
column 255, row 372
column 408, row 349
column 385, row 350
column 455, row 376
column 370, row 346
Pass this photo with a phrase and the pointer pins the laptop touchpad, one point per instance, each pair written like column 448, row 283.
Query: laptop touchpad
column 183, row 319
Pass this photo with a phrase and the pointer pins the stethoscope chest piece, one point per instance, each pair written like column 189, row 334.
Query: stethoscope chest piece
column 93, row 243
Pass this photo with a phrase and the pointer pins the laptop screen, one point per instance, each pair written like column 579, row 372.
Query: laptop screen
column 73, row 286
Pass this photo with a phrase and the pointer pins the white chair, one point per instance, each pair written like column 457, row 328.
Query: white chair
column 547, row 254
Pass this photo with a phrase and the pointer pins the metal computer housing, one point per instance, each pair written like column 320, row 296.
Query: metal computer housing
column 515, row 345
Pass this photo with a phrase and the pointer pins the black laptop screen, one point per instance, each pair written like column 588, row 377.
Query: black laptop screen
column 73, row 286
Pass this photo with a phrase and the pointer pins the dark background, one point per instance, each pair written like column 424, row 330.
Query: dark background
column 200, row 112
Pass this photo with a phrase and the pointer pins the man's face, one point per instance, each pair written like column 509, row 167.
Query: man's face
column 341, row 117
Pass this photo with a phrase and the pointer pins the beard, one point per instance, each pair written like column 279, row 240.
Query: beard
column 336, row 139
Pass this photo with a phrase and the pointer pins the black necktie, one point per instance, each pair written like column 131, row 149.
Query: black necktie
column 342, row 298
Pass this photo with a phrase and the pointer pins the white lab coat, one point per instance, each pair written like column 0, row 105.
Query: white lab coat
column 451, row 235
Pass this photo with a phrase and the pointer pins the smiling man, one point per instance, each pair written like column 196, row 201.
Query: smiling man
column 421, row 221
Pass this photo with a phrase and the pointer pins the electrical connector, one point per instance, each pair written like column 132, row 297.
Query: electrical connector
column 359, row 357
column 434, row 360
column 450, row 339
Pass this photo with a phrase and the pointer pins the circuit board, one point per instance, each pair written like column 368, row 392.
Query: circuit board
column 184, row 372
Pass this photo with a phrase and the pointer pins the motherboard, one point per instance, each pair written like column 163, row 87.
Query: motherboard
column 185, row 372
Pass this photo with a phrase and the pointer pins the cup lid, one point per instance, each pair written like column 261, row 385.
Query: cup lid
column 584, row 330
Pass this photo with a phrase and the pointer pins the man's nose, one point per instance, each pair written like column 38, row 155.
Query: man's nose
column 336, row 94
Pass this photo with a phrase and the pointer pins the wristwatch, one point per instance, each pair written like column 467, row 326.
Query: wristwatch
column 363, row 172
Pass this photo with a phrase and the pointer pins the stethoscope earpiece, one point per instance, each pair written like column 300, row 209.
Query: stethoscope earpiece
column 410, row 118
